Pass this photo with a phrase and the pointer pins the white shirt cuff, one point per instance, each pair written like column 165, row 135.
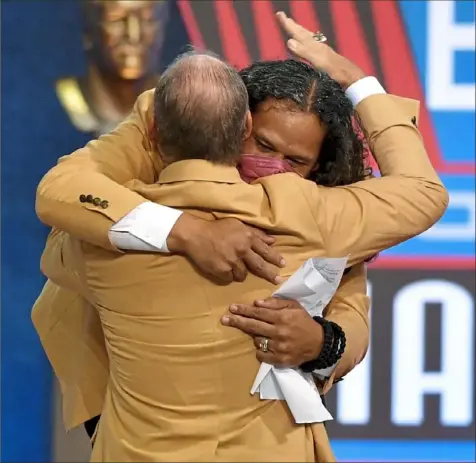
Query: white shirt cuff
column 325, row 373
column 363, row 88
column 146, row 228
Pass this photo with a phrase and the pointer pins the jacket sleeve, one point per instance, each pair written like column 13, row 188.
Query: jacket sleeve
column 100, row 169
column 349, row 308
column 367, row 217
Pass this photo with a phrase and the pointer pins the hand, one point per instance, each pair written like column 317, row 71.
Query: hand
column 224, row 250
column 293, row 336
column 320, row 55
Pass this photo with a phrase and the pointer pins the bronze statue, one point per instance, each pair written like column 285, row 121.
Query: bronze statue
column 123, row 41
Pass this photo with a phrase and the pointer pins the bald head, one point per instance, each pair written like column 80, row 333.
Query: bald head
column 201, row 106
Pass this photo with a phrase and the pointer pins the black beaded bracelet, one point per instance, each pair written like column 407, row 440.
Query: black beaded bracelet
column 332, row 349
column 321, row 361
column 327, row 344
column 339, row 345
column 329, row 356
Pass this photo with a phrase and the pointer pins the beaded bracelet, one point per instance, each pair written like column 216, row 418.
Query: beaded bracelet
column 339, row 346
column 332, row 349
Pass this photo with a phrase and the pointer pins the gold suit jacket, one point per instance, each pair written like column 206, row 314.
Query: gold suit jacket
column 179, row 381
column 69, row 331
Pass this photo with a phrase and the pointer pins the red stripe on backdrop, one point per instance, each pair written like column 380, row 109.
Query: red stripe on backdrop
column 351, row 42
column 402, row 78
column 270, row 39
column 350, row 37
column 302, row 11
column 233, row 42
column 193, row 30
column 424, row 263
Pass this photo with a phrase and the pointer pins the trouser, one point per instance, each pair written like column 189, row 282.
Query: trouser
column 91, row 427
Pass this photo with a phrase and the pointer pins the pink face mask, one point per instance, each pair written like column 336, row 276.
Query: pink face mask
column 252, row 166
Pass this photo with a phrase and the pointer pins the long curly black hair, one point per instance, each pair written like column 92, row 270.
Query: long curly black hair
column 342, row 157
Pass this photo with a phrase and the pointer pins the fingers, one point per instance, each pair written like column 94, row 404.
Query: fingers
column 267, row 357
column 312, row 52
column 298, row 49
column 263, row 236
column 267, row 253
column 259, row 267
column 292, row 28
column 219, row 271
column 272, row 355
column 274, row 303
column 301, row 42
column 237, row 248
column 239, row 271
column 258, row 340
column 274, row 359
column 257, row 313
column 249, row 326
column 258, row 258
column 218, row 276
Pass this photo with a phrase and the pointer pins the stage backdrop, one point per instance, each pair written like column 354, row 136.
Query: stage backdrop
column 412, row 398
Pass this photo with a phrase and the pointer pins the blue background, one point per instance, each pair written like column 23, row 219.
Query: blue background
column 38, row 41
column 454, row 129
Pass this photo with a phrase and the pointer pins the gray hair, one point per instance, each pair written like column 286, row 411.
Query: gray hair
column 200, row 107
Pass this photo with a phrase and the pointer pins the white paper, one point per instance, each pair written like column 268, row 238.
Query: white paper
column 313, row 285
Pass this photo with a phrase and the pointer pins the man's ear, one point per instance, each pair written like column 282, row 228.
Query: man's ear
column 248, row 126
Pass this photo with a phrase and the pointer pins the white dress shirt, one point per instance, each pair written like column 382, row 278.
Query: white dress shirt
column 147, row 227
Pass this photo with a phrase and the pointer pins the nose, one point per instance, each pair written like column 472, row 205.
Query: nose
column 133, row 29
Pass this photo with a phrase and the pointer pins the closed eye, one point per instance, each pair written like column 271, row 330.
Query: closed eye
column 264, row 147
column 296, row 161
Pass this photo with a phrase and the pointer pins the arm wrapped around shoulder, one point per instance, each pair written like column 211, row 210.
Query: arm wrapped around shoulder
column 83, row 194
column 363, row 219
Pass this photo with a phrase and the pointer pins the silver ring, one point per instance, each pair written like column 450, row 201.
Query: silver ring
column 263, row 345
column 319, row 37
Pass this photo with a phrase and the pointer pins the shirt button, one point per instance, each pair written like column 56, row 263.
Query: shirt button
column 104, row 204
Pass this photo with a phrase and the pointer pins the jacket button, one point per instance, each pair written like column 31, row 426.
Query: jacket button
column 83, row 198
column 414, row 121
column 104, row 204
column 97, row 201
column 89, row 198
